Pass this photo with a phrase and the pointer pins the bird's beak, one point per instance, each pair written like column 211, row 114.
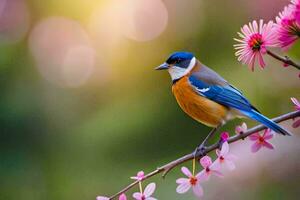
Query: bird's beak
column 162, row 66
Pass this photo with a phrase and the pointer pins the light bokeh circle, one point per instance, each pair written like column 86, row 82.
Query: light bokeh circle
column 14, row 20
column 139, row 20
column 62, row 51
column 144, row 20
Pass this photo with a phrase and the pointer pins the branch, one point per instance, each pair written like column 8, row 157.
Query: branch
column 285, row 59
column 169, row 166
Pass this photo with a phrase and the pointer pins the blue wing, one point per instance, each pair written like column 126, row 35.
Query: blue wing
column 229, row 96
column 226, row 95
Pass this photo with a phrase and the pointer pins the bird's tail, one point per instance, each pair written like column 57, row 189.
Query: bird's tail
column 267, row 122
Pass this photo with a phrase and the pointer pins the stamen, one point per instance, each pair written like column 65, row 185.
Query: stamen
column 193, row 180
column 261, row 139
column 255, row 41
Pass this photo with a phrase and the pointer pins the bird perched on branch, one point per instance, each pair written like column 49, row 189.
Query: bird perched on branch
column 207, row 97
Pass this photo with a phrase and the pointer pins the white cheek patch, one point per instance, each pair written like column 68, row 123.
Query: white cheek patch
column 178, row 72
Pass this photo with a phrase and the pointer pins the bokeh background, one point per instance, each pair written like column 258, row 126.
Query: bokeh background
column 82, row 109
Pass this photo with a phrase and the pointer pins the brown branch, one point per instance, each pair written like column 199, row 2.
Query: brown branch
column 284, row 59
column 169, row 166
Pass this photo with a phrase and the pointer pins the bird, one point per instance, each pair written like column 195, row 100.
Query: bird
column 207, row 97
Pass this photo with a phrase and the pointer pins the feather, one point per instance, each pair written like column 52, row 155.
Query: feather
column 230, row 97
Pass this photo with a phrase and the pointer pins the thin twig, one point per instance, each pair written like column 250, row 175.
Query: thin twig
column 285, row 59
column 169, row 166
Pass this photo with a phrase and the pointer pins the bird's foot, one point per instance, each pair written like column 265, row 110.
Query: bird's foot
column 200, row 151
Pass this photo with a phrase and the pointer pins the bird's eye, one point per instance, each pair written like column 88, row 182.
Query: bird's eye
column 177, row 61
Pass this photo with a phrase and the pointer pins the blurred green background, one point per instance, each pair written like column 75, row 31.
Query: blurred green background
column 82, row 109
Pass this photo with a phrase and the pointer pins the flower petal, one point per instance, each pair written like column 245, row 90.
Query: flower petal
column 268, row 134
column 203, row 176
column 261, row 60
column 149, row 190
column 183, row 188
column 122, row 197
column 205, row 161
column 224, row 136
column 182, row 180
column 218, row 152
column 217, row 164
column 296, row 102
column 102, row 198
column 198, row 191
column 244, row 127
column 186, row 171
column 137, row 196
column 254, row 136
column 150, row 198
column 225, row 148
column 255, row 147
column 268, row 145
column 140, row 176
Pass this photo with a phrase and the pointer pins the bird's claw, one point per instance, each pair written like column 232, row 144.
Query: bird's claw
column 200, row 151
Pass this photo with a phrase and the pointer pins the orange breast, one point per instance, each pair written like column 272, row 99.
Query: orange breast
column 199, row 108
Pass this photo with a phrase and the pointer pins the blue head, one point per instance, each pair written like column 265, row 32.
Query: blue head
column 178, row 64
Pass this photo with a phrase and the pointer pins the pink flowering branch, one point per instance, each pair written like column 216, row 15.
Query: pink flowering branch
column 286, row 60
column 169, row 166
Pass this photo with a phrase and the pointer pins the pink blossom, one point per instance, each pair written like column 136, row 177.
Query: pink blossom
column 209, row 169
column 296, row 123
column 296, row 102
column 297, row 10
column 253, row 43
column 224, row 157
column 288, row 25
column 184, row 184
column 146, row 195
column 102, row 198
column 121, row 197
column 140, row 176
column 261, row 140
column 224, row 136
column 241, row 129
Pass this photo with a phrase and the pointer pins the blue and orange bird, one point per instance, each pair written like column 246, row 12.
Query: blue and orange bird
column 207, row 97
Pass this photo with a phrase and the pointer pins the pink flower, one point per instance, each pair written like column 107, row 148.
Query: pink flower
column 224, row 136
column 121, row 197
column 296, row 124
column 102, row 198
column 209, row 169
column 140, row 176
column 224, row 157
column 297, row 10
column 146, row 195
column 261, row 140
column 288, row 25
column 241, row 129
column 296, row 102
column 184, row 184
column 255, row 38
